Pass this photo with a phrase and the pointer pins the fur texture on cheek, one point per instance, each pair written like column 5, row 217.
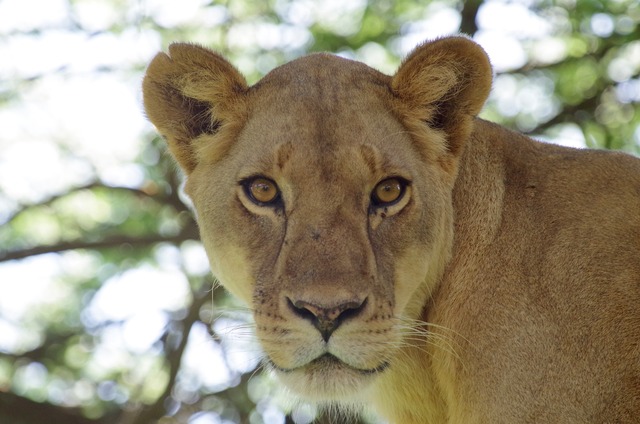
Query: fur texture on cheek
column 420, row 257
column 229, row 259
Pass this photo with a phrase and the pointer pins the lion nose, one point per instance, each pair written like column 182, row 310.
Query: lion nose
column 327, row 319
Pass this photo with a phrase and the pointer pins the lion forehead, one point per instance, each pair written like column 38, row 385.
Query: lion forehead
column 311, row 75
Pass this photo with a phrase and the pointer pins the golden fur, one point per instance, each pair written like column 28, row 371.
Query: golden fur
column 503, row 285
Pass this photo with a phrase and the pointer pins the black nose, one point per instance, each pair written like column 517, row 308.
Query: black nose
column 327, row 318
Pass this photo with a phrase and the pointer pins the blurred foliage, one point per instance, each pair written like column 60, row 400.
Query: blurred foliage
column 64, row 358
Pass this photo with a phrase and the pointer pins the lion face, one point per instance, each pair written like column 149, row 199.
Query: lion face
column 318, row 218
column 317, row 204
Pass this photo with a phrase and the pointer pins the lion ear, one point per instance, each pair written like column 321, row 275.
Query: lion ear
column 190, row 92
column 444, row 83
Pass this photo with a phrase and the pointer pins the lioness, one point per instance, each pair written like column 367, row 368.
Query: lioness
column 400, row 253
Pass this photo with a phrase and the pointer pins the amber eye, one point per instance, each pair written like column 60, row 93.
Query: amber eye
column 262, row 191
column 388, row 191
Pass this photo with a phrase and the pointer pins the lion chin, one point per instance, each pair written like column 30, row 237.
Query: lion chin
column 327, row 378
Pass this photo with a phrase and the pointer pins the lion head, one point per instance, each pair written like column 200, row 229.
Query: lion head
column 323, row 195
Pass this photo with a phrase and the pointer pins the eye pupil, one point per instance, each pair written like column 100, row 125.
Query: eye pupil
column 388, row 191
column 263, row 190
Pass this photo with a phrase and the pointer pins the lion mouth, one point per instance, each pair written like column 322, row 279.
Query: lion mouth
column 330, row 362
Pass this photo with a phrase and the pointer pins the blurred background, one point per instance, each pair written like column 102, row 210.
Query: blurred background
column 108, row 313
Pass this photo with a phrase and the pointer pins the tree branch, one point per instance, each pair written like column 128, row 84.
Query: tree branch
column 20, row 410
column 188, row 233
column 91, row 186
column 39, row 354
column 157, row 410
column 469, row 12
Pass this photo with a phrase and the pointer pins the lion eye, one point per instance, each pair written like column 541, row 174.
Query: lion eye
column 262, row 191
column 388, row 191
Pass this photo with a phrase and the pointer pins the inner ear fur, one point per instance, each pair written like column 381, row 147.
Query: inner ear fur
column 190, row 92
column 443, row 84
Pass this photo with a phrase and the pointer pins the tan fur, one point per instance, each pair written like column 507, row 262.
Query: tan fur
column 503, row 287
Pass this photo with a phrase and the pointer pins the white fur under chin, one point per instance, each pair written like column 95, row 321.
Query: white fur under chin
column 341, row 411
column 326, row 383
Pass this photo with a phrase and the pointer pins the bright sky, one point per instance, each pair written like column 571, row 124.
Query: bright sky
column 98, row 116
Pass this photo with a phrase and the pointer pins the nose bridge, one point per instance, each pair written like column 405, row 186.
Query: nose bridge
column 328, row 247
